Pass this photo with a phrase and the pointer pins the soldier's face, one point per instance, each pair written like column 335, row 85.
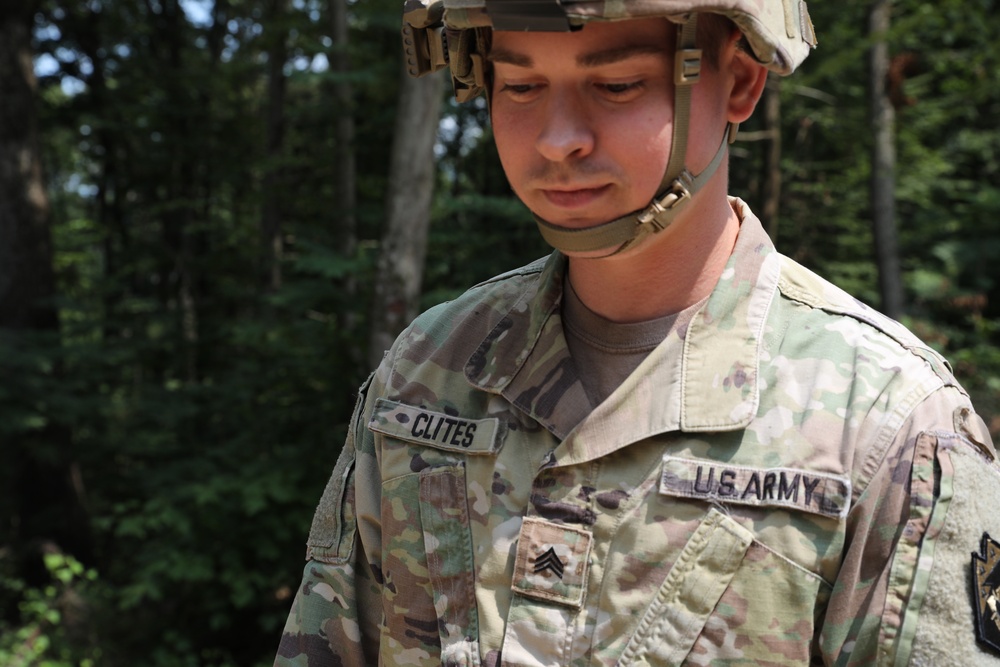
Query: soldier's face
column 583, row 120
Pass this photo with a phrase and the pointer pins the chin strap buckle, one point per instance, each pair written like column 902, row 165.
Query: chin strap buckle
column 687, row 67
column 676, row 196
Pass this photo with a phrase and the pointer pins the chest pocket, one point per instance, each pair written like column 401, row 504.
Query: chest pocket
column 431, row 616
column 728, row 599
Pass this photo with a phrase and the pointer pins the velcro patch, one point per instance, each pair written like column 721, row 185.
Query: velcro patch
column 435, row 429
column 818, row 493
column 551, row 562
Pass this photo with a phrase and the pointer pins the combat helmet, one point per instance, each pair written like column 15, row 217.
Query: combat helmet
column 455, row 34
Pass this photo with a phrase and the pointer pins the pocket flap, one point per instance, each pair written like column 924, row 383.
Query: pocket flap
column 690, row 592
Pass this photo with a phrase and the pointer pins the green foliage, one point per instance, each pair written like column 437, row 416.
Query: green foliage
column 206, row 405
column 49, row 616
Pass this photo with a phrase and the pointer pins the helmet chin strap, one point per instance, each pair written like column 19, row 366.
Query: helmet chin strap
column 678, row 184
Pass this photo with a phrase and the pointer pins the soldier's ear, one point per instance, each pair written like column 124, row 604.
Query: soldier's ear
column 747, row 78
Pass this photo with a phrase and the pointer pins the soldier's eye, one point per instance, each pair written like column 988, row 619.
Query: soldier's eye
column 620, row 90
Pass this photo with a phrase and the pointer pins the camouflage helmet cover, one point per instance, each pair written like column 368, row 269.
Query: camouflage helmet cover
column 779, row 32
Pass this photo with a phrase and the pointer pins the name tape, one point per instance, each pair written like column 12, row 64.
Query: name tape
column 436, row 429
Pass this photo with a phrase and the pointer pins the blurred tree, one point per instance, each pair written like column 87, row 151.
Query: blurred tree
column 771, row 180
column 883, row 169
column 345, row 170
column 399, row 275
column 272, row 190
column 42, row 509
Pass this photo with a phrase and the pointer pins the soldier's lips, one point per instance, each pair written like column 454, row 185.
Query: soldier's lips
column 574, row 198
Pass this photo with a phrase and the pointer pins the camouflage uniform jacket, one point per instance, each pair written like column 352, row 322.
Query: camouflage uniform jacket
column 793, row 479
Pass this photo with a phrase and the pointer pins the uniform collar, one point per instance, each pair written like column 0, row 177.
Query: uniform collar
column 709, row 381
column 723, row 347
column 525, row 357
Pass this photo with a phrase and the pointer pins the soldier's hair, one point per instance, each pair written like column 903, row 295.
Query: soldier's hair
column 714, row 30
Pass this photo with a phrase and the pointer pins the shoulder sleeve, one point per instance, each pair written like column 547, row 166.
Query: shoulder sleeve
column 954, row 568
column 335, row 615
column 905, row 592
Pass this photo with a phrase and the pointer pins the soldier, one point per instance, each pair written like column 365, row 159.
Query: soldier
column 666, row 443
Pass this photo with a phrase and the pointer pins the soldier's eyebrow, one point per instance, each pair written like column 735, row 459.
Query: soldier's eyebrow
column 592, row 59
column 618, row 54
column 509, row 58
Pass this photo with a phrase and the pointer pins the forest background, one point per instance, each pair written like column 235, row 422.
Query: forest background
column 214, row 214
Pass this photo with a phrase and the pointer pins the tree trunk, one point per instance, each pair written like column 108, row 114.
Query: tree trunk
column 271, row 211
column 109, row 213
column 40, row 487
column 772, row 161
column 408, row 203
column 26, row 277
column 883, row 177
column 180, row 221
column 345, row 189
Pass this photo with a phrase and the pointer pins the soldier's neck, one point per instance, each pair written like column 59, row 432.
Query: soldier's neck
column 667, row 273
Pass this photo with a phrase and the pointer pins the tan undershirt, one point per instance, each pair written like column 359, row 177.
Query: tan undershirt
column 606, row 352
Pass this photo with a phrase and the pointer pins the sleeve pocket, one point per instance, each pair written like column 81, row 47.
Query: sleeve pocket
column 334, row 524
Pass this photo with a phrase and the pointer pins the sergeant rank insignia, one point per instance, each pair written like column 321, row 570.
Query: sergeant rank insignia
column 986, row 589
column 550, row 561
